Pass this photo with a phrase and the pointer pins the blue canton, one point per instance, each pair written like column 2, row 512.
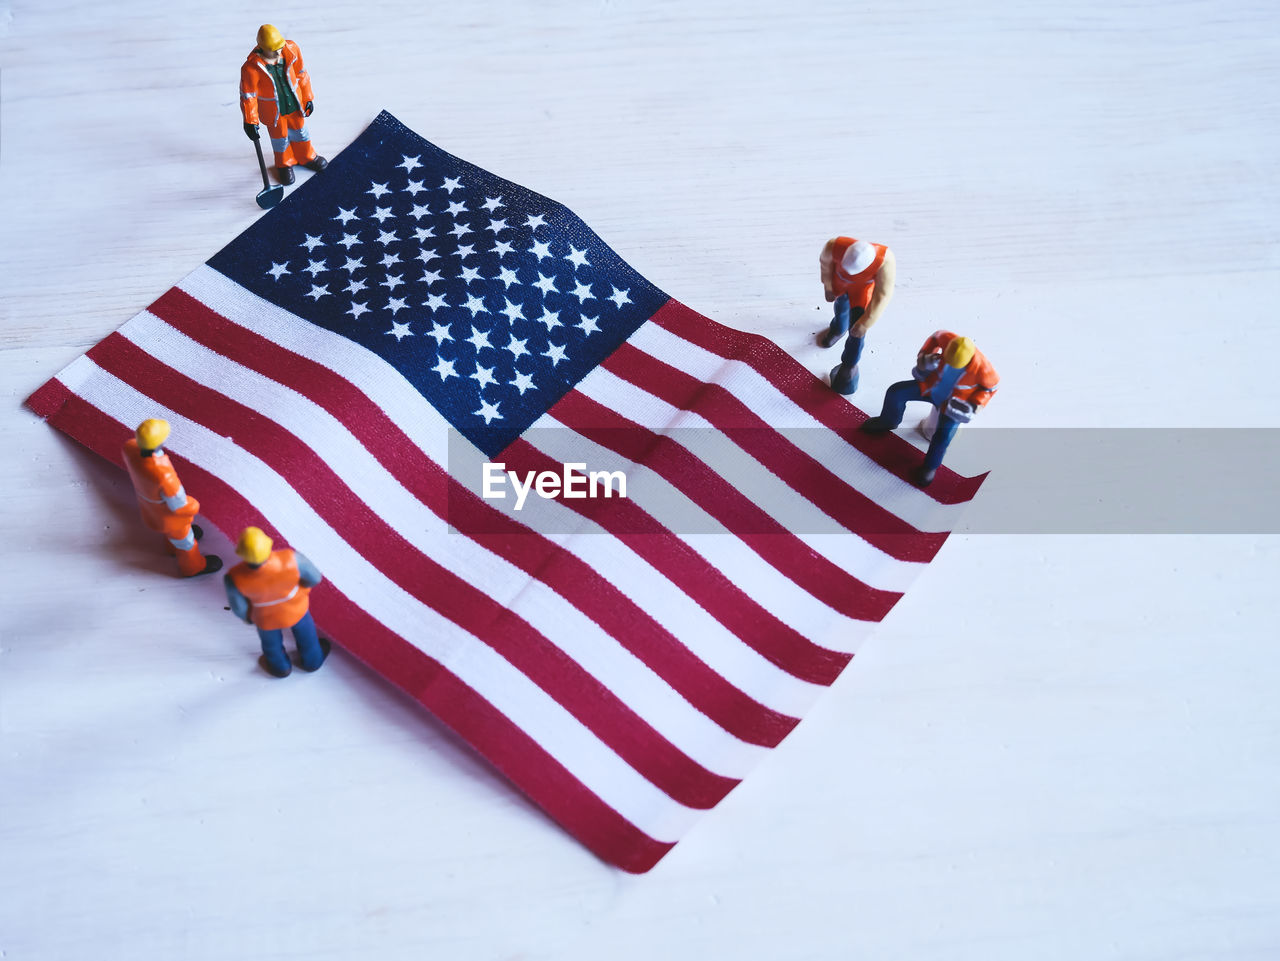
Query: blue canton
column 493, row 301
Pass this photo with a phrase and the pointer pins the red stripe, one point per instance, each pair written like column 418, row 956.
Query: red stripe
column 776, row 366
column 568, row 801
column 856, row 511
column 433, row 584
column 784, row 551
column 541, row 558
column 695, row 576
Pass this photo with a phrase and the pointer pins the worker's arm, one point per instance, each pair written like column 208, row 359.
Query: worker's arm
column 239, row 603
column 880, row 297
column 308, row 573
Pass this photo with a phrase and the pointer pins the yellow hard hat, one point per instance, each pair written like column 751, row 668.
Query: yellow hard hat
column 152, row 433
column 254, row 545
column 959, row 352
column 269, row 38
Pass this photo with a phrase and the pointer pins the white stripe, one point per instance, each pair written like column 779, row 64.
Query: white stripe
column 767, row 490
column 705, row 636
column 859, row 471
column 530, row 708
column 288, row 597
column 547, row 611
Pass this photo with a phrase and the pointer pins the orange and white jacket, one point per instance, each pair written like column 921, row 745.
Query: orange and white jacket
column 277, row 598
column 258, row 102
column 164, row 504
column 976, row 384
column 859, row 286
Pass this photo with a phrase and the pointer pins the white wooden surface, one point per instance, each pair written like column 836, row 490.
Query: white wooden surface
column 1055, row 748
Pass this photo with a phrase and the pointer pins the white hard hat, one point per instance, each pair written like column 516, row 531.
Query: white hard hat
column 858, row 257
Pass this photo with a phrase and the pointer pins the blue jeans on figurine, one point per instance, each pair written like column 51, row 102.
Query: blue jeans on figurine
column 844, row 376
column 310, row 654
column 896, row 399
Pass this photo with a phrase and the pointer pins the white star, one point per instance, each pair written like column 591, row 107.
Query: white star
column 507, row 276
column 555, row 353
column 470, row 273
column 426, row 255
column 429, row 277
column 415, row 187
column 484, row 377
column 408, row 164
column 378, row 190
column 465, row 251
column 581, row 291
column 440, row 332
column 474, row 304
column 349, row 240
column 382, row 213
column 315, row 293
column 311, row 243
column 492, row 203
column 315, row 266
column 389, row 259
column 488, row 411
column 399, row 331
column 352, row 265
column 451, row 184
column 346, row 215
column 546, row 284
column 479, row 339
column 393, row 281
column 540, row 249
column 355, row 286
column 518, row 347
column 278, row 270
column 435, row 302
column 358, row 309
column 419, row 211
column 578, row 257
column 496, row 226
column 514, row 312
column 445, row 369
column 522, row 382
column 422, row 233
column 459, row 228
column 502, row 247
column 386, row 237
column 551, row 318
column 396, row 304
column 457, row 207
column 534, row 221
column 620, row 297
column 588, row 325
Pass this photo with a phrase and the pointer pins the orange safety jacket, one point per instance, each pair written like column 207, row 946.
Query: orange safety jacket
column 274, row 590
column 154, row 479
column 258, row 89
column 976, row 384
column 859, row 286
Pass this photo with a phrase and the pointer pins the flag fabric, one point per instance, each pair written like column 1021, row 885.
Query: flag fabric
column 341, row 373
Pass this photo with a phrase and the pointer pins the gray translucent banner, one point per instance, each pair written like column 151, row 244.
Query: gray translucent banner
column 1041, row 481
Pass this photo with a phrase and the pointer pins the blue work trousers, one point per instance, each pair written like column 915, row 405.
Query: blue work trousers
column 896, row 399
column 840, row 324
column 310, row 654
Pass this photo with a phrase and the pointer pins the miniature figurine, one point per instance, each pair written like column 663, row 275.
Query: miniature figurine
column 275, row 87
column 164, row 503
column 270, row 590
column 858, row 276
column 952, row 375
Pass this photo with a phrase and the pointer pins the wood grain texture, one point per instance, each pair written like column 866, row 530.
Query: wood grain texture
column 1056, row 747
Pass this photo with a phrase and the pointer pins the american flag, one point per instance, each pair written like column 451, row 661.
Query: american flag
column 338, row 374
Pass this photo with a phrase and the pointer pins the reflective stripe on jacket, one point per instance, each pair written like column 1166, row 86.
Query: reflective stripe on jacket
column 274, row 590
column 258, row 89
column 860, row 286
column 979, row 380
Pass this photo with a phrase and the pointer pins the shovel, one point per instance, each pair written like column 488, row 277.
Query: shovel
column 270, row 194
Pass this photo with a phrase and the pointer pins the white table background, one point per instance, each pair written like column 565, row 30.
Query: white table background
column 1056, row 747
